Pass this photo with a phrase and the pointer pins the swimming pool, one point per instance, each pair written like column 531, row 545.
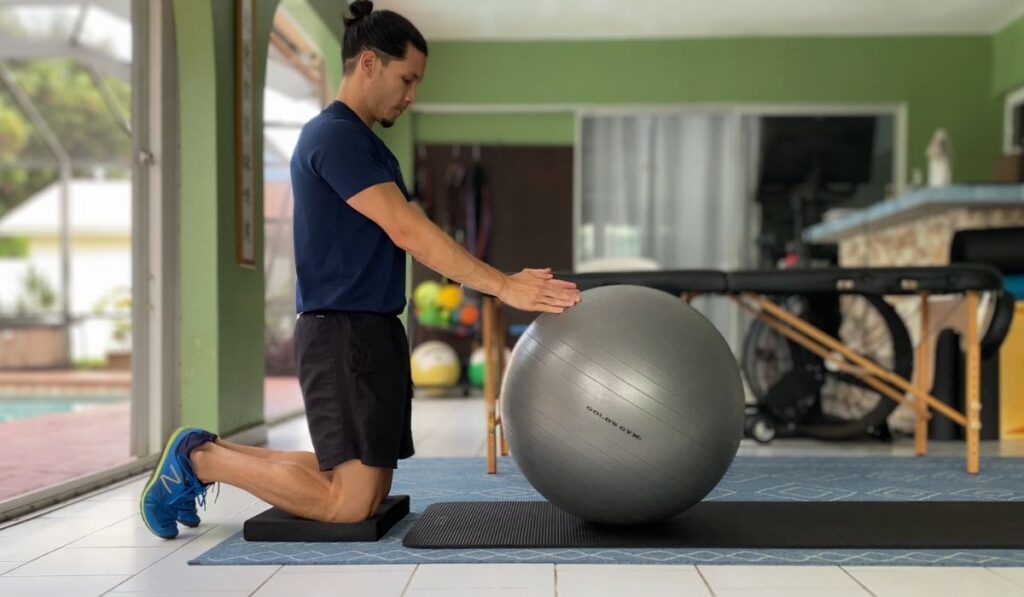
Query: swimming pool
column 15, row 408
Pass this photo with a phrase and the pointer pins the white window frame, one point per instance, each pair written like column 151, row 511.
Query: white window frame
column 1014, row 99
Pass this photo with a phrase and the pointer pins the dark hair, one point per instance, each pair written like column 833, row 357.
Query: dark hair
column 385, row 32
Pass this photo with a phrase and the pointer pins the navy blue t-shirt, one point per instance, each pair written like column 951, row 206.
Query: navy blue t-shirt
column 343, row 260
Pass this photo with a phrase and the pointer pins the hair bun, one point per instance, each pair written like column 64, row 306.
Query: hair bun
column 359, row 9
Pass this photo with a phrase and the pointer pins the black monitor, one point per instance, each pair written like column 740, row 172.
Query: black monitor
column 790, row 145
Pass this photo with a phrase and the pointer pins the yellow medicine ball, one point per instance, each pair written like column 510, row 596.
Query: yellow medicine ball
column 449, row 297
column 435, row 363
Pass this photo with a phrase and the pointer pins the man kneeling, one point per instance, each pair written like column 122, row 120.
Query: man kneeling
column 353, row 225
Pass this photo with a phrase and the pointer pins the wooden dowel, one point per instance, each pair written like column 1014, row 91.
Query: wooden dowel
column 874, row 369
column 807, row 343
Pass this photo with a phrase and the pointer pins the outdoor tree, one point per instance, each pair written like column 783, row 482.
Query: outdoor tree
column 67, row 99
column 66, row 96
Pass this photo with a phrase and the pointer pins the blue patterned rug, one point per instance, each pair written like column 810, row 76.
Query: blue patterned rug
column 430, row 480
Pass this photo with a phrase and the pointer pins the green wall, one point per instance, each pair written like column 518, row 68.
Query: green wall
column 556, row 128
column 944, row 81
column 331, row 12
column 1008, row 58
column 326, row 37
column 221, row 303
column 197, row 91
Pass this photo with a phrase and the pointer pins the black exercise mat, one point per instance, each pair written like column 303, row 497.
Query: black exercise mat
column 795, row 525
column 277, row 525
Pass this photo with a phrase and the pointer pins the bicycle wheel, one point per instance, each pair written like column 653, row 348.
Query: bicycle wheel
column 797, row 387
column 871, row 327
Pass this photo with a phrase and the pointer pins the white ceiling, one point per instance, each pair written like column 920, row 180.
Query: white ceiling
column 606, row 19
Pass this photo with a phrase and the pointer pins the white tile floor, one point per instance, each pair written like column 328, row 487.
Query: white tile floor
column 99, row 546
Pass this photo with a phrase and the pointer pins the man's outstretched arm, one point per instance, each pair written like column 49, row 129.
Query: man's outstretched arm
column 410, row 229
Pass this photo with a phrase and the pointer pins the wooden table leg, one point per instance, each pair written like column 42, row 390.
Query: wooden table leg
column 923, row 374
column 490, row 391
column 973, row 389
column 500, row 334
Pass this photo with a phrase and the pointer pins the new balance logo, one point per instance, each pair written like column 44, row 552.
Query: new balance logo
column 175, row 479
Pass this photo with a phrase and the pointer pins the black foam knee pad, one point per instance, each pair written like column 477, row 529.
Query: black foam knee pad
column 278, row 525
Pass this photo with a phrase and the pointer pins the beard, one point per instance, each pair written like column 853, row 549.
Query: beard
column 387, row 123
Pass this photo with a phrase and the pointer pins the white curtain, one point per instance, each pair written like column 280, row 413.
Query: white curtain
column 667, row 191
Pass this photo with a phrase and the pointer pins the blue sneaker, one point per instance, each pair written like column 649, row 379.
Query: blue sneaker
column 188, row 515
column 174, row 487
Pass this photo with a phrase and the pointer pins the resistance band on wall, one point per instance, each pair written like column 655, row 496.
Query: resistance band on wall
column 469, row 213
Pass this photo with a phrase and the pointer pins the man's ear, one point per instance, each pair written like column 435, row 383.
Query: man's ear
column 367, row 58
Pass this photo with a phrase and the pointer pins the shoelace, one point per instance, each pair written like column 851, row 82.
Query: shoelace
column 201, row 495
column 195, row 490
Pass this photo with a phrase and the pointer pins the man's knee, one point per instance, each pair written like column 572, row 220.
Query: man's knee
column 356, row 492
column 348, row 509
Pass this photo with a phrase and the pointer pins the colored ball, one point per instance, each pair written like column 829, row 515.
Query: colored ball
column 430, row 316
column 435, row 363
column 469, row 314
column 450, row 296
column 426, row 293
column 477, row 370
column 626, row 409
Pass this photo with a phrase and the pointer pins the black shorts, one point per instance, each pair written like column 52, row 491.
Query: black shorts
column 356, row 384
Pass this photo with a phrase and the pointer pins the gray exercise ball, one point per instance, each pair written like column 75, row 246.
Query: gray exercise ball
column 626, row 409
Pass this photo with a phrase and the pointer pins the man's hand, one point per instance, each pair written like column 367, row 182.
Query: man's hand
column 538, row 290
